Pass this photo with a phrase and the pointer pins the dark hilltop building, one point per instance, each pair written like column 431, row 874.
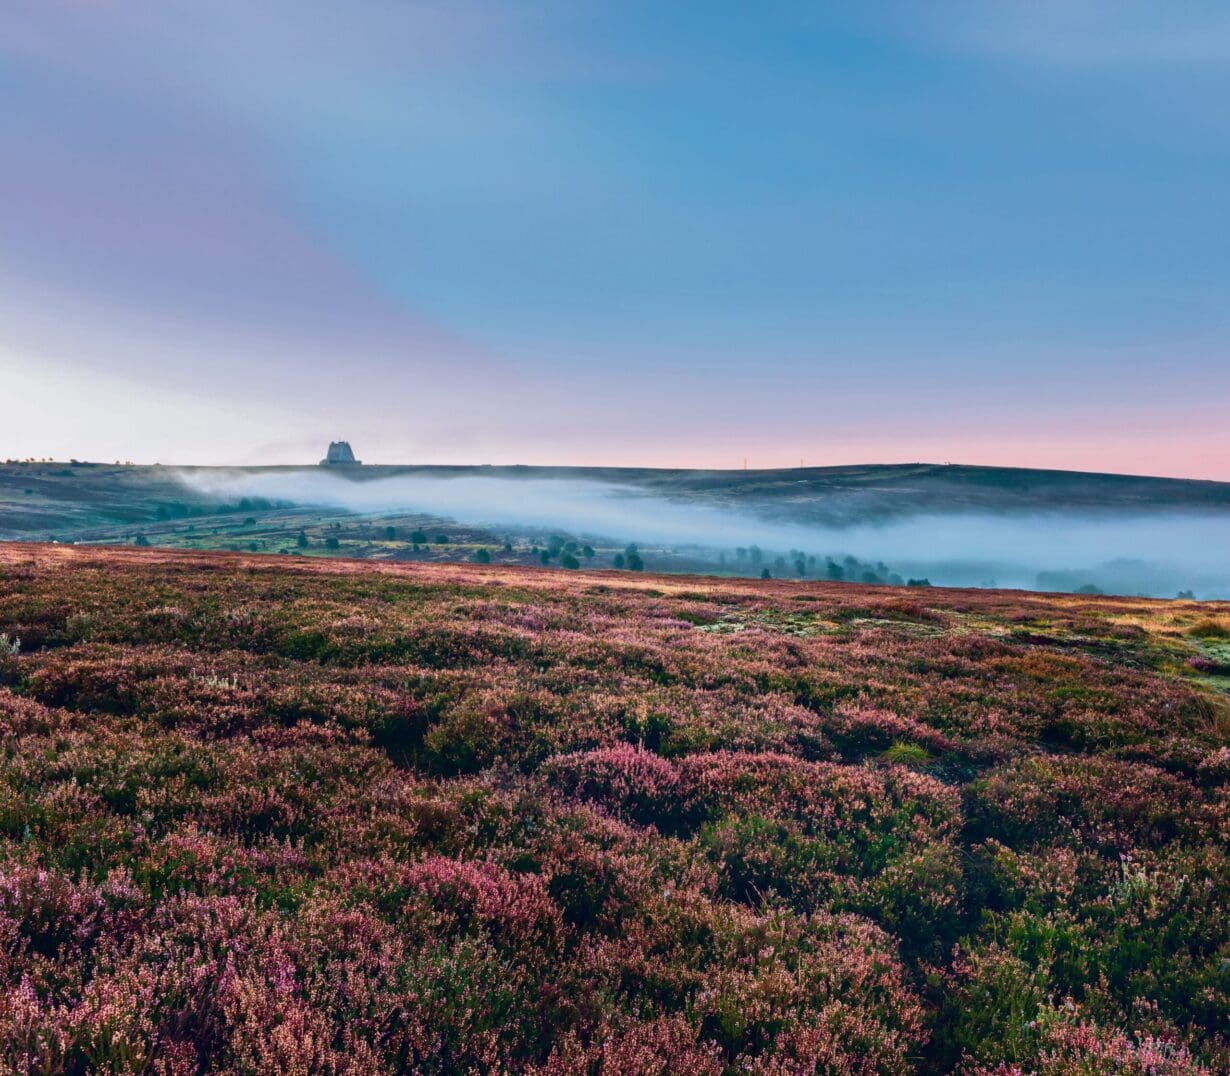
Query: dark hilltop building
column 339, row 454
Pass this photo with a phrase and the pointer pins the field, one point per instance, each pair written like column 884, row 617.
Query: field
column 90, row 504
column 284, row 814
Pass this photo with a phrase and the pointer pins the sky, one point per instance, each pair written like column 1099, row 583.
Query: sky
column 685, row 234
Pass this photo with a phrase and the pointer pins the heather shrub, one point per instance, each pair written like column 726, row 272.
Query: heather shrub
column 43, row 912
column 632, row 781
column 465, row 740
column 873, row 813
column 447, row 897
column 859, row 730
column 1112, row 935
column 1118, row 803
column 1063, row 1042
column 920, row 899
column 656, row 1047
column 602, row 873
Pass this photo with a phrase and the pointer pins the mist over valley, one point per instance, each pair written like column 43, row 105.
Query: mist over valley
column 943, row 525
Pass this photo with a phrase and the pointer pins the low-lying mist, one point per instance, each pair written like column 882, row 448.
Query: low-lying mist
column 1142, row 552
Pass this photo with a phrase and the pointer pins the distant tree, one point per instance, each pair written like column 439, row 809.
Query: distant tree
column 765, row 574
column 253, row 547
column 780, row 564
column 800, row 566
column 754, row 554
column 441, row 539
column 587, row 551
column 483, row 557
column 834, row 571
column 544, row 557
column 722, row 560
column 508, row 548
column 632, row 558
column 302, row 540
column 390, row 533
column 1088, row 588
column 140, row 540
column 1186, row 595
column 870, row 577
column 740, row 553
column 569, row 561
column 332, row 543
column 918, row 582
column 418, row 538
column 618, row 560
column 250, row 521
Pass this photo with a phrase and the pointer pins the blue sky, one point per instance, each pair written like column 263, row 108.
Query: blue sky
column 674, row 234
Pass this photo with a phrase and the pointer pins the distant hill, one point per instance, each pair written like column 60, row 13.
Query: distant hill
column 954, row 525
column 36, row 499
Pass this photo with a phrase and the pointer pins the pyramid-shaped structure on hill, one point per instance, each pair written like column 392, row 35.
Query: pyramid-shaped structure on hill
column 339, row 455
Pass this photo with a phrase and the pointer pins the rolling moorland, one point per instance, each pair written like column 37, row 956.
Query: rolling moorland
column 288, row 814
column 877, row 524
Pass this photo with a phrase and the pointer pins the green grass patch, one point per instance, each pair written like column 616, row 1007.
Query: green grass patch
column 907, row 754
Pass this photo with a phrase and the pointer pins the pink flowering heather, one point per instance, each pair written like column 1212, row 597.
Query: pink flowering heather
column 324, row 817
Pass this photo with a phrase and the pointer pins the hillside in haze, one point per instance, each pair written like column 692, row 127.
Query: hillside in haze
column 953, row 525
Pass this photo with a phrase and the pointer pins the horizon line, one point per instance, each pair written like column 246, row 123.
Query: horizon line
column 665, row 468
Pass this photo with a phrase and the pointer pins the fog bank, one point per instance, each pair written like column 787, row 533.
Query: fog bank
column 1155, row 553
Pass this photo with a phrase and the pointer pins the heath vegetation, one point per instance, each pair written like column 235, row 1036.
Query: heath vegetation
column 292, row 815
